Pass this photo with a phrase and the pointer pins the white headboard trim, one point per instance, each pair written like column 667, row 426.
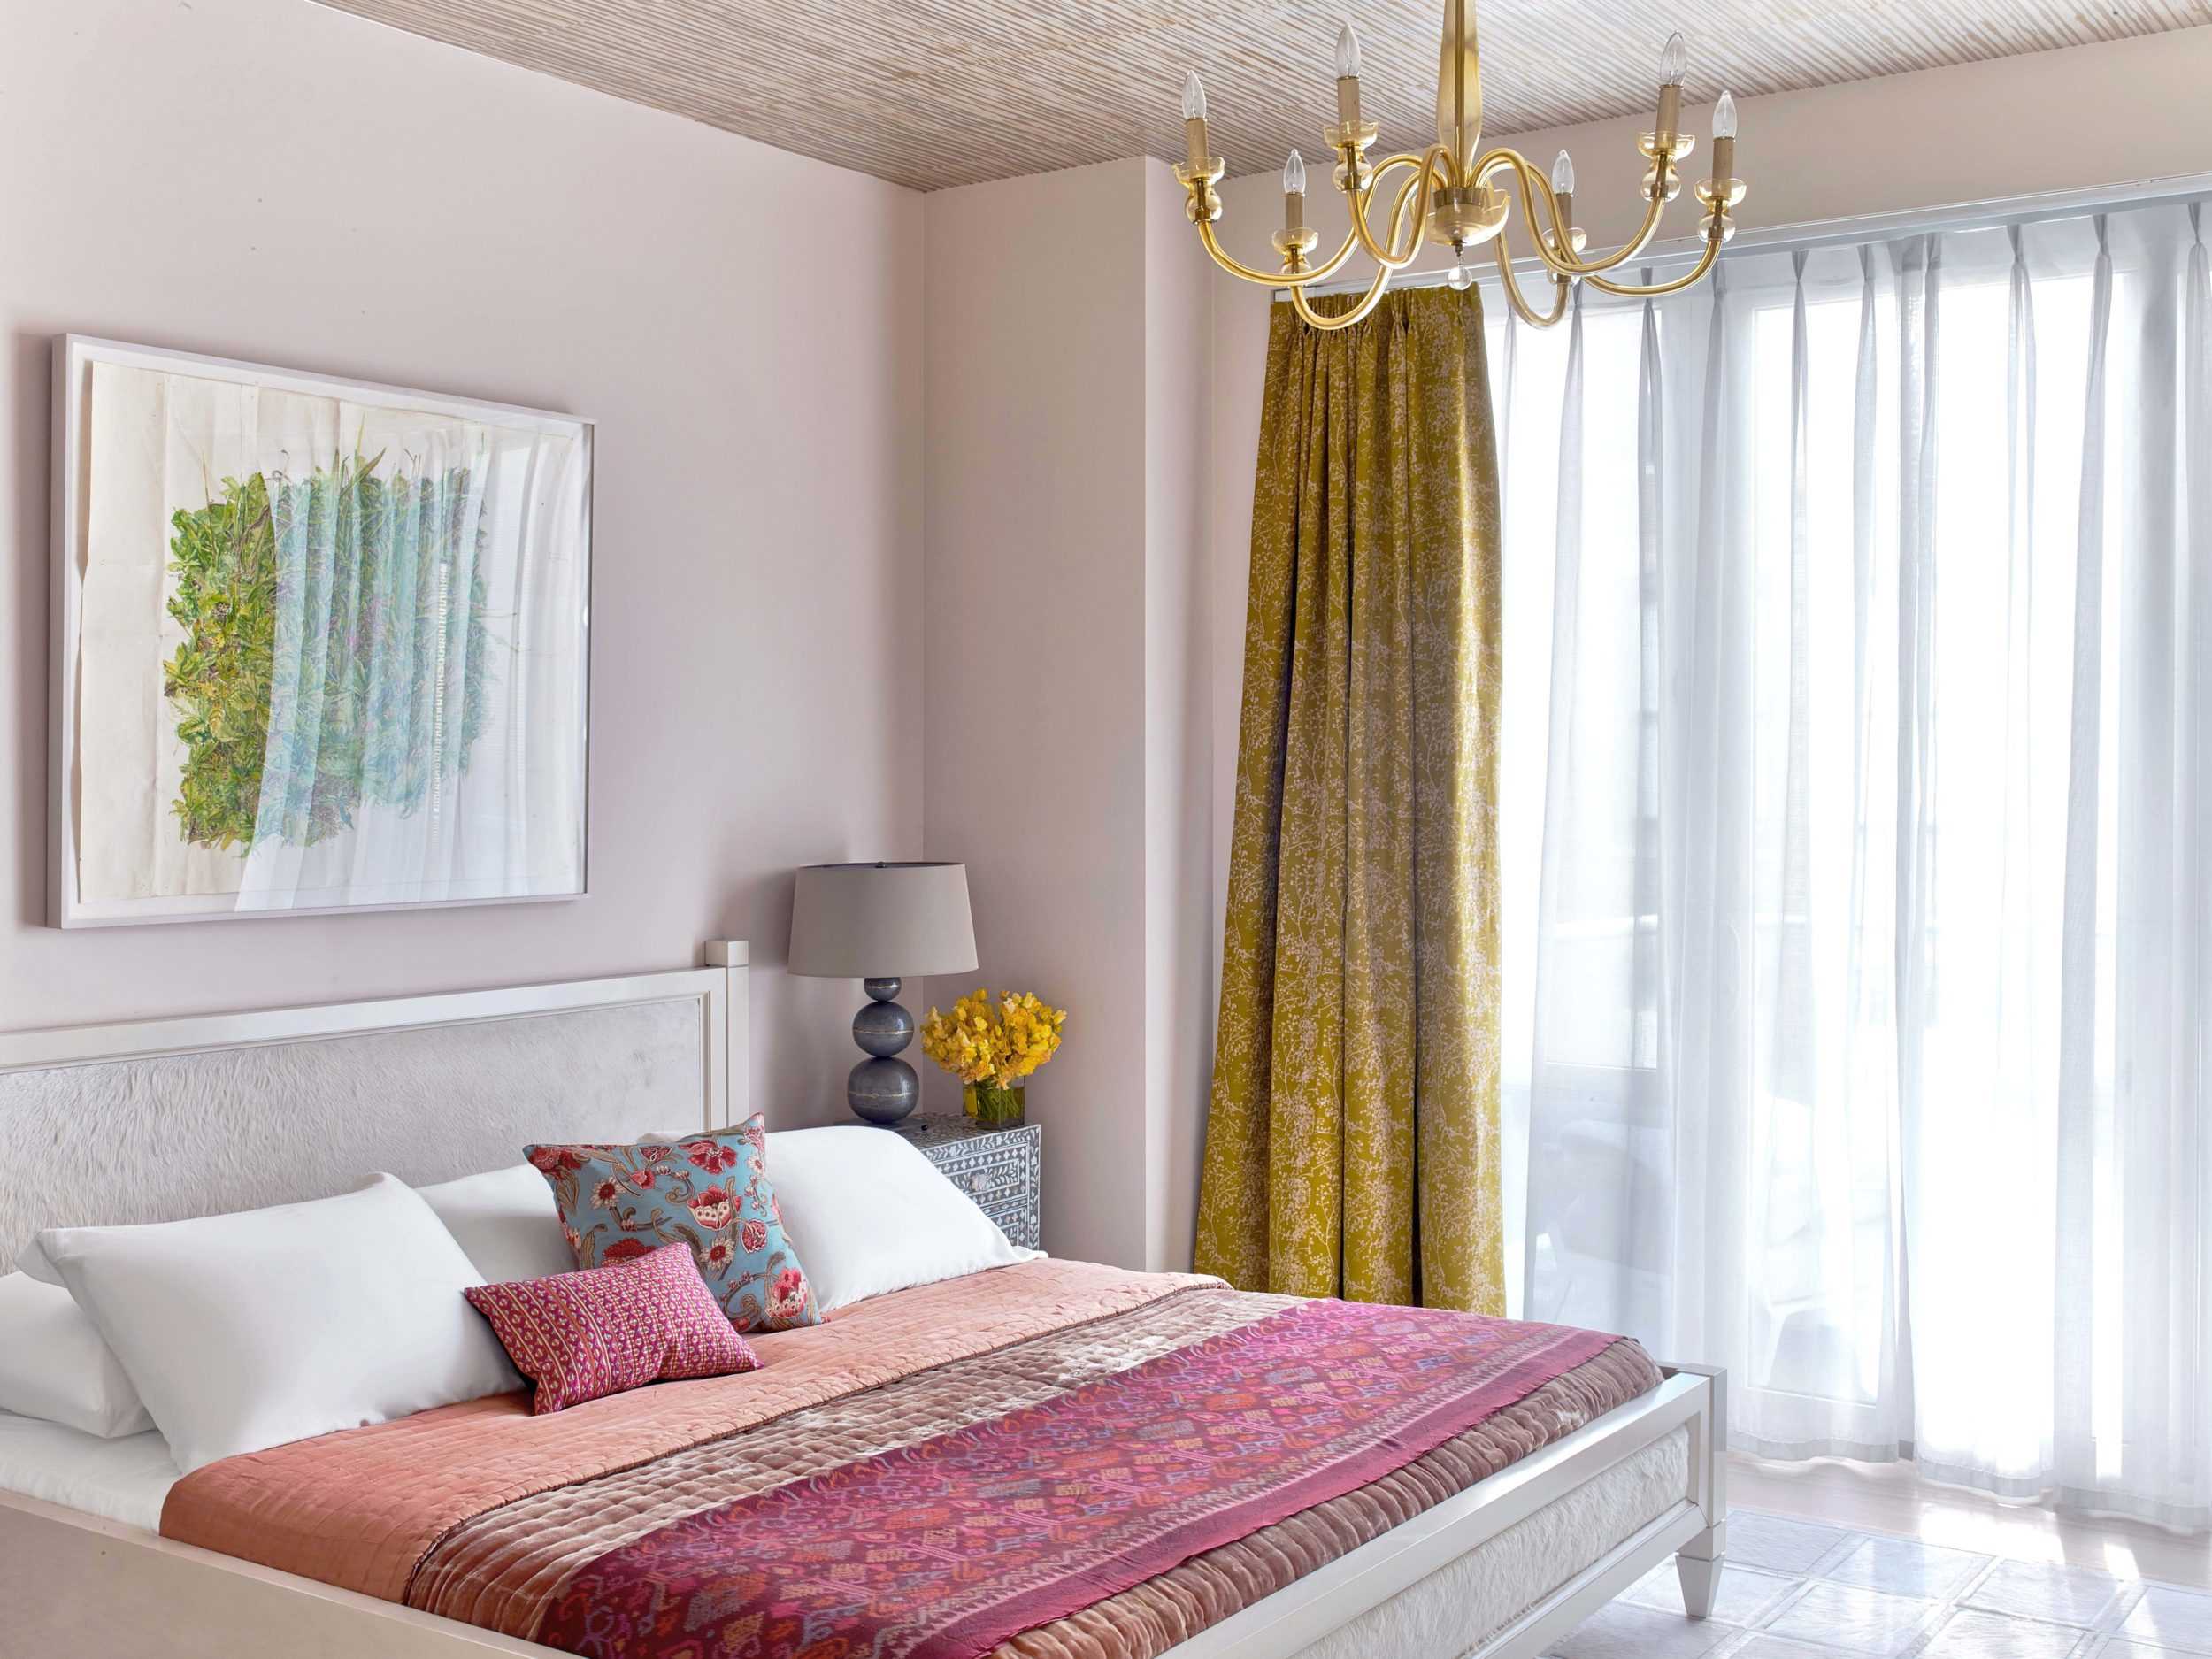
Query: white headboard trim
column 735, row 1092
column 721, row 989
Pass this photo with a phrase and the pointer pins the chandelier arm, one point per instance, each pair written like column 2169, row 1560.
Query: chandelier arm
column 1296, row 285
column 1529, row 314
column 1426, row 180
column 1623, row 254
column 1266, row 279
column 1278, row 279
column 1630, row 290
column 1369, row 299
column 1425, row 177
column 1420, row 189
column 1558, row 254
column 1531, row 189
column 1335, row 262
column 1423, row 180
column 1344, row 319
column 1357, row 208
column 1316, row 273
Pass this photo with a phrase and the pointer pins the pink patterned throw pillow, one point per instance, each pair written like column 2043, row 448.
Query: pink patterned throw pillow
column 605, row 1330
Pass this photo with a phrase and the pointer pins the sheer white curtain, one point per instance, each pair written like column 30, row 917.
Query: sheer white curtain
column 1858, row 743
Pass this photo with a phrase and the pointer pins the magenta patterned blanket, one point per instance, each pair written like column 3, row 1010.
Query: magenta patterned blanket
column 946, row 1548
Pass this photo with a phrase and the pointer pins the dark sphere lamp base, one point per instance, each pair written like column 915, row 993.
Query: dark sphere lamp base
column 882, row 1090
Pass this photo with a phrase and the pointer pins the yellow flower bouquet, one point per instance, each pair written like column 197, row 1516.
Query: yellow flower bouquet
column 992, row 1053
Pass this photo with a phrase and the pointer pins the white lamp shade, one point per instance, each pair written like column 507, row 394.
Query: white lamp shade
column 881, row 921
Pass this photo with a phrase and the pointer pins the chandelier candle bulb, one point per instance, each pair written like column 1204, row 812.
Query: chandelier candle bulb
column 1724, row 141
column 1348, row 79
column 1294, row 192
column 1674, row 65
column 1195, row 119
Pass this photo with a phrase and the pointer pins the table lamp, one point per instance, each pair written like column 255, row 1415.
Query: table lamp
column 881, row 924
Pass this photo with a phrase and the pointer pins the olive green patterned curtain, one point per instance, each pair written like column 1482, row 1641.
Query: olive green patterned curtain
column 1352, row 1147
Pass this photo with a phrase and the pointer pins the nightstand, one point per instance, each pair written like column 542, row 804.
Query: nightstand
column 998, row 1167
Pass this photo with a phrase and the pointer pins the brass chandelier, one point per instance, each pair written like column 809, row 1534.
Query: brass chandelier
column 1452, row 195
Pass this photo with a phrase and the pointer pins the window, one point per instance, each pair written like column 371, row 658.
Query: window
column 1855, row 816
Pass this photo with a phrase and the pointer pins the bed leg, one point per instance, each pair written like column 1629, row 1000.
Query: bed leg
column 1698, row 1564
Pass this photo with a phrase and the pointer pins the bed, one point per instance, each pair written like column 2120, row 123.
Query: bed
column 1493, row 1537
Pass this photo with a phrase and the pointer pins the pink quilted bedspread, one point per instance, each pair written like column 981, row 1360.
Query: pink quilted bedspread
column 1053, row 1461
column 944, row 1548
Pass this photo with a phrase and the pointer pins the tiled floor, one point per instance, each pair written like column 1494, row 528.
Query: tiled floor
column 1799, row 1589
column 1892, row 1499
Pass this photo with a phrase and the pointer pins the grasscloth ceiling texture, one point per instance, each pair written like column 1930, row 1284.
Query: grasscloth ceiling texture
column 931, row 93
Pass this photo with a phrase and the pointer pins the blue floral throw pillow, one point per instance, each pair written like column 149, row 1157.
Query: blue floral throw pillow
column 711, row 1191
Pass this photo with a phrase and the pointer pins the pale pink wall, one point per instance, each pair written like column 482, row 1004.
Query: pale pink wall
column 1033, row 606
column 1063, row 601
column 267, row 180
column 1179, row 740
column 381, row 206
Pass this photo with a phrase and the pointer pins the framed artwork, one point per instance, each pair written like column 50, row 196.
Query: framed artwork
column 319, row 645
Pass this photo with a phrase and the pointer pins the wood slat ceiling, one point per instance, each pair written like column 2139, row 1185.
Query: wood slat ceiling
column 932, row 93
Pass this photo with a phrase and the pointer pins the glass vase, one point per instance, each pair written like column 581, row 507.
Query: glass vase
column 991, row 1107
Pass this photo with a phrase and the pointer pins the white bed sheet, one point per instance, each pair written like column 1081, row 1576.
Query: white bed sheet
column 123, row 1480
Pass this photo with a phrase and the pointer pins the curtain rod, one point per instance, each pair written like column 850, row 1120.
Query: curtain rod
column 1859, row 227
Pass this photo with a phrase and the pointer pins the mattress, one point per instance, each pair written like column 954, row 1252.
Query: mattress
column 1053, row 1461
column 125, row 1480
column 1455, row 1609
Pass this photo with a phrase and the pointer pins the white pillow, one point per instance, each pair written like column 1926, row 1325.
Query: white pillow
column 867, row 1214
column 507, row 1222
column 31, row 1262
column 54, row 1365
column 244, row 1332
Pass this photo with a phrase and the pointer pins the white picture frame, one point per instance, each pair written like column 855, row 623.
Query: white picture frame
column 553, row 499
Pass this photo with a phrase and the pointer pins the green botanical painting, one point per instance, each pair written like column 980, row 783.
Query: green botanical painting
column 336, row 651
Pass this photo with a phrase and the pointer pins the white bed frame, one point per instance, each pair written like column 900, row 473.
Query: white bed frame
column 74, row 1583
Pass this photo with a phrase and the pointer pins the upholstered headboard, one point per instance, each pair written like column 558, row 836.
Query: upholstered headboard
column 169, row 1118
